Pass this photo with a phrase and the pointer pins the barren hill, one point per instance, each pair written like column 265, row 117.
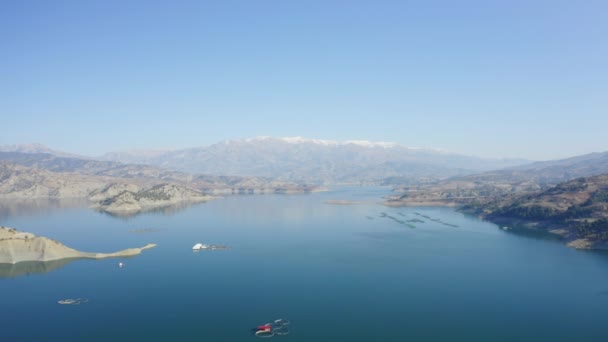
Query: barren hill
column 118, row 198
column 577, row 210
column 488, row 186
column 16, row 246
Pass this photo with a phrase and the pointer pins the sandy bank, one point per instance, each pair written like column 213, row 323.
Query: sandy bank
column 16, row 246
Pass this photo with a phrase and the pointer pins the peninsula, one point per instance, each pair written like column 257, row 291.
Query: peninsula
column 17, row 246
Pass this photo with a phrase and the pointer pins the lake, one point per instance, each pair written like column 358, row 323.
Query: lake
column 337, row 272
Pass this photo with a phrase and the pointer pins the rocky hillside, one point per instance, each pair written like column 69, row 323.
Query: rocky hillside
column 17, row 181
column 316, row 161
column 52, row 162
column 488, row 186
column 121, row 189
column 16, row 246
column 43, row 175
column 123, row 199
column 577, row 210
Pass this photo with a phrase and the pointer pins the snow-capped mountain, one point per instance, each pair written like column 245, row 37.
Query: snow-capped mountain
column 316, row 161
column 300, row 140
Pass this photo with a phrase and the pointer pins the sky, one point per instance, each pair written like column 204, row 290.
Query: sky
column 519, row 79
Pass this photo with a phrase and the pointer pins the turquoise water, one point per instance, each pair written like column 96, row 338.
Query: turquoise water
column 337, row 272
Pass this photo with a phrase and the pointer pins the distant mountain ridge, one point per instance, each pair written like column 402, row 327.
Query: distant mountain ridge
column 301, row 140
column 37, row 148
column 488, row 186
column 316, row 161
column 568, row 168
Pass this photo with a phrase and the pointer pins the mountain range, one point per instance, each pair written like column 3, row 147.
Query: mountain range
column 251, row 163
column 37, row 148
column 316, row 161
column 138, row 180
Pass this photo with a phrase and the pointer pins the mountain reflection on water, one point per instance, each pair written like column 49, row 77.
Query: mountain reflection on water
column 32, row 267
column 45, row 206
column 168, row 210
column 37, row 207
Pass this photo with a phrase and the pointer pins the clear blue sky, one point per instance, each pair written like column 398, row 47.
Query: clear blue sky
column 489, row 78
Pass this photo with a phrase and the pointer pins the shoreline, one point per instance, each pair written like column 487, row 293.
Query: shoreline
column 569, row 239
column 18, row 246
column 396, row 204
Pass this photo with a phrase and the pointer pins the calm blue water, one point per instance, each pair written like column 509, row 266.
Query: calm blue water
column 338, row 273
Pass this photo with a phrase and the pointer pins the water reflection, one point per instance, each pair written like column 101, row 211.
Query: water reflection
column 168, row 210
column 37, row 207
column 26, row 268
column 537, row 234
column 32, row 267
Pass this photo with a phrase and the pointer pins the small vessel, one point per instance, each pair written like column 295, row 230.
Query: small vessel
column 199, row 246
column 264, row 331
column 278, row 327
column 71, row 301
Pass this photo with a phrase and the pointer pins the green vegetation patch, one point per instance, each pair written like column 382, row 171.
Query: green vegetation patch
column 155, row 193
column 597, row 229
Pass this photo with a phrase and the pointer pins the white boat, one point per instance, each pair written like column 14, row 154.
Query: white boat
column 199, row 246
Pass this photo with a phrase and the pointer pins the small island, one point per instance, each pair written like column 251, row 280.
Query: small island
column 121, row 199
column 17, row 246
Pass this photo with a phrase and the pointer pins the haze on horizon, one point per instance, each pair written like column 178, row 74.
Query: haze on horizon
column 514, row 79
